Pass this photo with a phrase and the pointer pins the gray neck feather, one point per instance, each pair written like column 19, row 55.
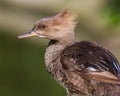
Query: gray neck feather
column 52, row 59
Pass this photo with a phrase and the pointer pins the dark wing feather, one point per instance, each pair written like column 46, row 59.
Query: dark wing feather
column 88, row 56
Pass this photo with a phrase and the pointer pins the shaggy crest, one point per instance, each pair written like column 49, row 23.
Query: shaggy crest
column 65, row 18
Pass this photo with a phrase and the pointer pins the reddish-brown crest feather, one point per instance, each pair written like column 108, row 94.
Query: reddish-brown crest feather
column 65, row 18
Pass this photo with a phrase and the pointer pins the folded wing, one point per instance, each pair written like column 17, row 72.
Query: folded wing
column 91, row 61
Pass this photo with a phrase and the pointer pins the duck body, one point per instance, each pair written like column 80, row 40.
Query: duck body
column 83, row 68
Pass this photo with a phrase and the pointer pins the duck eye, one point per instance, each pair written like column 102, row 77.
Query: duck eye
column 42, row 26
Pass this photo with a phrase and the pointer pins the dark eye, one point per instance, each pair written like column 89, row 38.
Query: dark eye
column 42, row 26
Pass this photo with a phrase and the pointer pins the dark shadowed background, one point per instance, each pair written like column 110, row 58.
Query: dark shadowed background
column 22, row 69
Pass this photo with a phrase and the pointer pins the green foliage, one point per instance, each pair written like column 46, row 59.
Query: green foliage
column 113, row 11
column 22, row 69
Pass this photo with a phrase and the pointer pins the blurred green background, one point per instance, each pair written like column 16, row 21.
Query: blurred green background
column 22, row 69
